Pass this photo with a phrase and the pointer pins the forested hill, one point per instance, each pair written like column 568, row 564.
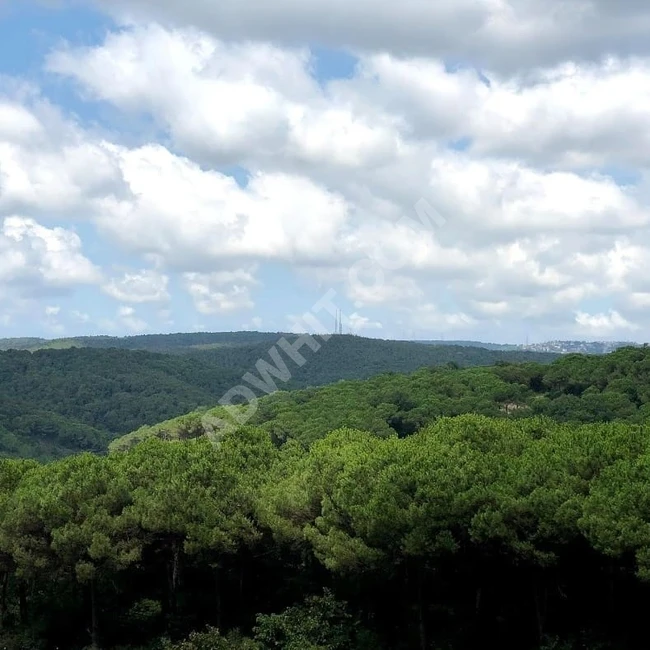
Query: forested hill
column 177, row 343
column 54, row 402
column 355, row 357
column 574, row 388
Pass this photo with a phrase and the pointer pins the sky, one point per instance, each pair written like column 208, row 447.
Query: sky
column 459, row 169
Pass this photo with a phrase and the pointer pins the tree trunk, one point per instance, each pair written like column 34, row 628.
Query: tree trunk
column 3, row 598
column 173, row 573
column 540, row 608
column 94, row 622
column 217, row 587
column 421, row 622
column 22, row 602
column 175, row 566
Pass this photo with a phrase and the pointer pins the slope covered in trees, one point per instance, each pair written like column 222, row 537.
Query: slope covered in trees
column 166, row 343
column 574, row 388
column 53, row 402
column 355, row 357
column 473, row 532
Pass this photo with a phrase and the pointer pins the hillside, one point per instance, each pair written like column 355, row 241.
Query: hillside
column 164, row 343
column 355, row 357
column 557, row 347
column 183, row 343
column 58, row 401
column 574, row 388
column 54, row 402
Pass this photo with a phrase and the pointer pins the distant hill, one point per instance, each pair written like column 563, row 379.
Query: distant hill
column 557, row 347
column 474, row 344
column 165, row 343
column 57, row 401
column 25, row 343
column 355, row 357
column 184, row 343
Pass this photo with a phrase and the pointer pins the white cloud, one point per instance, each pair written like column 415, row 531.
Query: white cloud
column 138, row 287
column 536, row 222
column 48, row 165
column 603, row 324
column 357, row 322
column 52, row 310
column 220, row 292
column 507, row 34
column 429, row 316
column 127, row 316
column 190, row 217
column 255, row 324
column 39, row 259
column 51, row 320
column 80, row 316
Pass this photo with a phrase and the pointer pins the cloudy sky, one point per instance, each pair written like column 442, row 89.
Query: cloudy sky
column 459, row 168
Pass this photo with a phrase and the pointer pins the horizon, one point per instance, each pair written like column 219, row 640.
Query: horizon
column 449, row 340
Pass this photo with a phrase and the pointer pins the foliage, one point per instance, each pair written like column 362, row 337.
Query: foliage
column 503, row 513
column 575, row 388
column 54, row 402
column 505, row 506
column 320, row 623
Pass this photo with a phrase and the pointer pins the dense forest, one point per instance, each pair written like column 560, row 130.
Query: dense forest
column 55, row 402
column 574, row 388
column 449, row 508
column 472, row 532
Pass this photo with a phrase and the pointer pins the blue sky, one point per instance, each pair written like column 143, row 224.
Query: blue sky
column 28, row 32
column 331, row 138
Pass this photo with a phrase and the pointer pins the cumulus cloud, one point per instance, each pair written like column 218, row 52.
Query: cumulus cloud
column 138, row 287
column 520, row 155
column 128, row 317
column 51, row 319
column 255, row 324
column 504, row 34
column 41, row 259
column 603, row 324
column 357, row 322
column 190, row 216
column 220, row 292
column 48, row 165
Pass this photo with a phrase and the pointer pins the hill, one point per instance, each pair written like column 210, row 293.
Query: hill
column 57, row 401
column 473, row 344
column 574, row 388
column 355, row 357
column 352, row 516
column 164, row 343
column 183, row 343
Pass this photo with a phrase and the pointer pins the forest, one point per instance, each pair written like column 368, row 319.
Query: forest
column 524, row 533
column 450, row 508
column 54, row 402
column 574, row 388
